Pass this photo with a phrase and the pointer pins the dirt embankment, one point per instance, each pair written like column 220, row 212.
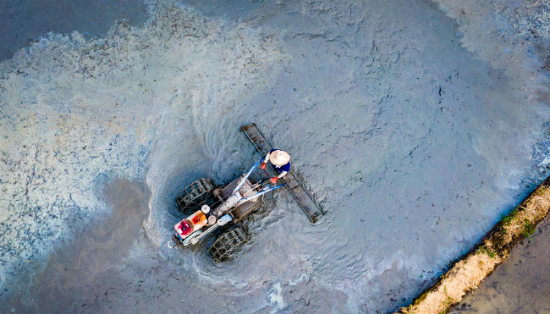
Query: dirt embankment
column 494, row 249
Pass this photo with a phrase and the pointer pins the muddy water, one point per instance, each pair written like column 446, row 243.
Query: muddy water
column 23, row 22
column 79, row 268
column 412, row 145
column 111, row 267
column 370, row 142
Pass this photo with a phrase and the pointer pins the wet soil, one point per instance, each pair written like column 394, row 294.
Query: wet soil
column 414, row 145
column 80, row 272
column 111, row 267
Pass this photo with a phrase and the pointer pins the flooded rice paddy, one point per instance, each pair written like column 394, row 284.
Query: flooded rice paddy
column 413, row 140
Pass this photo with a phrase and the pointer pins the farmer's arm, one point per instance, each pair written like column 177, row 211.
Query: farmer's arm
column 265, row 161
column 284, row 170
column 267, row 157
column 274, row 179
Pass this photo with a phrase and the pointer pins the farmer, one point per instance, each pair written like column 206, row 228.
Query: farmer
column 280, row 161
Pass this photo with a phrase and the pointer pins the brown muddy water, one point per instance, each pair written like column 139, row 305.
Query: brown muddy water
column 407, row 120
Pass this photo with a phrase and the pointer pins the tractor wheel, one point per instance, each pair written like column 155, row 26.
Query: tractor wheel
column 227, row 243
column 195, row 194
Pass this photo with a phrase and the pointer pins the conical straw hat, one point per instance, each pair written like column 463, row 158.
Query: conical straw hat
column 279, row 158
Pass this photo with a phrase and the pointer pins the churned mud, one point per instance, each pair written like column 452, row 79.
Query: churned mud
column 111, row 266
column 412, row 138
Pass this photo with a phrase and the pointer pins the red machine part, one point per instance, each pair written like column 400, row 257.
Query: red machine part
column 191, row 224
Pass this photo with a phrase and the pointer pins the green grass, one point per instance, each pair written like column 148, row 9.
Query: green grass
column 484, row 249
column 507, row 220
column 528, row 228
column 447, row 303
